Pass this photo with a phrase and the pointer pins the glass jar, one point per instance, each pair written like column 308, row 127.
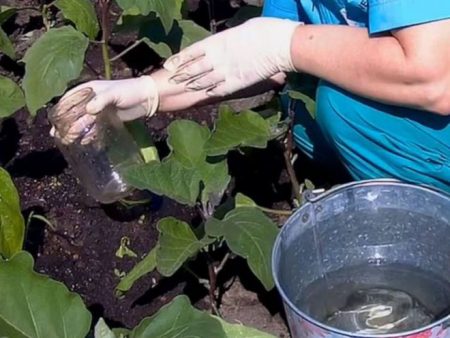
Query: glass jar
column 99, row 155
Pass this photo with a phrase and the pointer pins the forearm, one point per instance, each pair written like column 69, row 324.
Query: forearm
column 379, row 68
column 174, row 97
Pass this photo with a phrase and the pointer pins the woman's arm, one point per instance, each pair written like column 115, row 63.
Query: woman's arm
column 410, row 67
column 174, row 97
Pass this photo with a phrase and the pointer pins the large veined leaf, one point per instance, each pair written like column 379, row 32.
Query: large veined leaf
column 177, row 243
column 179, row 319
column 35, row 306
column 182, row 34
column 233, row 130
column 51, row 63
column 250, row 234
column 82, row 14
column 145, row 266
column 6, row 45
column 12, row 225
column 11, row 97
column 187, row 139
column 215, row 180
column 166, row 10
column 185, row 172
column 169, row 178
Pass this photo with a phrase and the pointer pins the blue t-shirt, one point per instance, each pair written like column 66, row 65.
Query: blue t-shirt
column 377, row 15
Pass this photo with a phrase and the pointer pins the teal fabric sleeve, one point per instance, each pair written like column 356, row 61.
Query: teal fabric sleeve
column 385, row 15
column 283, row 9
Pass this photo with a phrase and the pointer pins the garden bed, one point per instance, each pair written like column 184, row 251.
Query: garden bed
column 74, row 239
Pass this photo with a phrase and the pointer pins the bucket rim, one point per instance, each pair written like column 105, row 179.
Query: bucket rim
column 314, row 199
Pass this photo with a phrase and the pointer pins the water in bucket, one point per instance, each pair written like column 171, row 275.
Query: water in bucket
column 356, row 300
column 367, row 259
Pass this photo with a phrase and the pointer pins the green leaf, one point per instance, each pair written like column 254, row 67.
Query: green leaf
column 82, row 14
column 35, row 306
column 310, row 104
column 180, row 319
column 102, row 330
column 12, row 224
column 54, row 60
column 215, row 180
column 121, row 333
column 250, row 234
column 177, row 244
column 243, row 14
column 233, row 130
column 166, row 10
column 145, row 266
column 241, row 331
column 187, row 139
column 11, row 97
column 185, row 172
column 241, row 200
column 161, row 48
column 124, row 249
column 183, row 34
column 5, row 13
column 6, row 45
column 169, row 178
column 190, row 33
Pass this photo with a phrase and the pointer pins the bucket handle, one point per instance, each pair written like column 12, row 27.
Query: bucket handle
column 315, row 195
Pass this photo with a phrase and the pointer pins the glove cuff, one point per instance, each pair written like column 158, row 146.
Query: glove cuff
column 152, row 96
column 289, row 28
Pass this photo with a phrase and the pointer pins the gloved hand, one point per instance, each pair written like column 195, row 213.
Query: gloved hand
column 235, row 58
column 131, row 98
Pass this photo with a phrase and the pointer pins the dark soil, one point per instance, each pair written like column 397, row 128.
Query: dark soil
column 79, row 247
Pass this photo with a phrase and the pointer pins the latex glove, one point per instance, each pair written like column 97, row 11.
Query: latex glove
column 235, row 58
column 130, row 98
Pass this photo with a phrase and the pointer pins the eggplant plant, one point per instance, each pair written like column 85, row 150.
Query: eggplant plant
column 36, row 306
column 195, row 173
column 56, row 59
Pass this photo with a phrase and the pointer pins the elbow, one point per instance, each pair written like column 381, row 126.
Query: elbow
column 432, row 92
column 436, row 98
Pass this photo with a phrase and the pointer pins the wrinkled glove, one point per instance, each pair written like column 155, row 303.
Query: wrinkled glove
column 235, row 58
column 130, row 98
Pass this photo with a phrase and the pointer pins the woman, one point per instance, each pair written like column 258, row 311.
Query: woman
column 383, row 102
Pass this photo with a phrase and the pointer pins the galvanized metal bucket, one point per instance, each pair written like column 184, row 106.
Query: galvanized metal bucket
column 401, row 223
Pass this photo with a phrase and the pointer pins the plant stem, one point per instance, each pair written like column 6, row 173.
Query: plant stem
column 44, row 14
column 212, row 16
column 104, row 7
column 287, row 153
column 125, row 51
column 222, row 263
column 212, row 286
